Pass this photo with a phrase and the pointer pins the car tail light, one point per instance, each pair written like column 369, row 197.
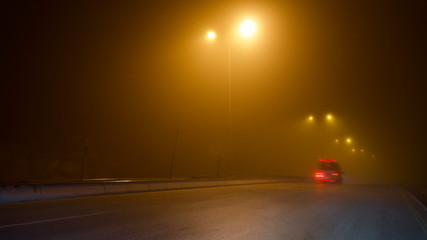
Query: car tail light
column 335, row 174
column 319, row 175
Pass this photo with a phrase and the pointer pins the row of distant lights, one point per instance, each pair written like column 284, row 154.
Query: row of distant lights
column 349, row 141
column 247, row 29
column 330, row 117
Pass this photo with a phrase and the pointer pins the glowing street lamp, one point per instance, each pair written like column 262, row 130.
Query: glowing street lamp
column 329, row 117
column 248, row 28
column 211, row 35
column 348, row 140
column 310, row 118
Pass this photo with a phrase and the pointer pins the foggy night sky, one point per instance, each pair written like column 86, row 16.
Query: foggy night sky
column 124, row 75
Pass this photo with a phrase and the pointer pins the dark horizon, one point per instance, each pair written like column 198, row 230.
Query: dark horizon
column 111, row 82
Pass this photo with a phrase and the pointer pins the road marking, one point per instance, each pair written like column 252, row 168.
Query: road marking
column 52, row 220
column 417, row 215
column 418, row 201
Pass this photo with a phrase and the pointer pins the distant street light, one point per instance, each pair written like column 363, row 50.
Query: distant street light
column 328, row 118
column 337, row 140
column 348, row 140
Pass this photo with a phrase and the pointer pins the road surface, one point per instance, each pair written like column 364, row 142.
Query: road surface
column 263, row 211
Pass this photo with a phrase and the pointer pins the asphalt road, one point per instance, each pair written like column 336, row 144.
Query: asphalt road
column 263, row 211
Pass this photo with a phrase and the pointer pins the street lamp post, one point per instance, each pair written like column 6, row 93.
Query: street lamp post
column 247, row 29
column 229, row 109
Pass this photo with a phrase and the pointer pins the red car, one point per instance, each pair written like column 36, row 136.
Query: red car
column 328, row 171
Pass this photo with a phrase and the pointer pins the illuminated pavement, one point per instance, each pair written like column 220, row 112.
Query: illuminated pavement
column 264, row 211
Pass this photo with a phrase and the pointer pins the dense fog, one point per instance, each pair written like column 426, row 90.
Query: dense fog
column 124, row 88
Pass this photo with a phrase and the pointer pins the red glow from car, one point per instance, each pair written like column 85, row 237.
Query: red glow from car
column 319, row 175
column 327, row 160
column 335, row 174
column 326, row 180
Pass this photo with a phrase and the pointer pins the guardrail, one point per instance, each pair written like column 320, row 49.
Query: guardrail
column 20, row 193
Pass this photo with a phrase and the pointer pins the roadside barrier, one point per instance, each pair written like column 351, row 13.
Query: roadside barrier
column 51, row 191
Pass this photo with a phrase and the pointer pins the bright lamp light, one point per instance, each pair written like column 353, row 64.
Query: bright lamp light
column 211, row 35
column 248, row 28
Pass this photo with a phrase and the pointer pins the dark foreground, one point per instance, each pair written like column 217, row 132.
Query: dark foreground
column 264, row 211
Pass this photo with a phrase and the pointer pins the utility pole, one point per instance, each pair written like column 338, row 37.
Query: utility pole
column 85, row 150
column 173, row 153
